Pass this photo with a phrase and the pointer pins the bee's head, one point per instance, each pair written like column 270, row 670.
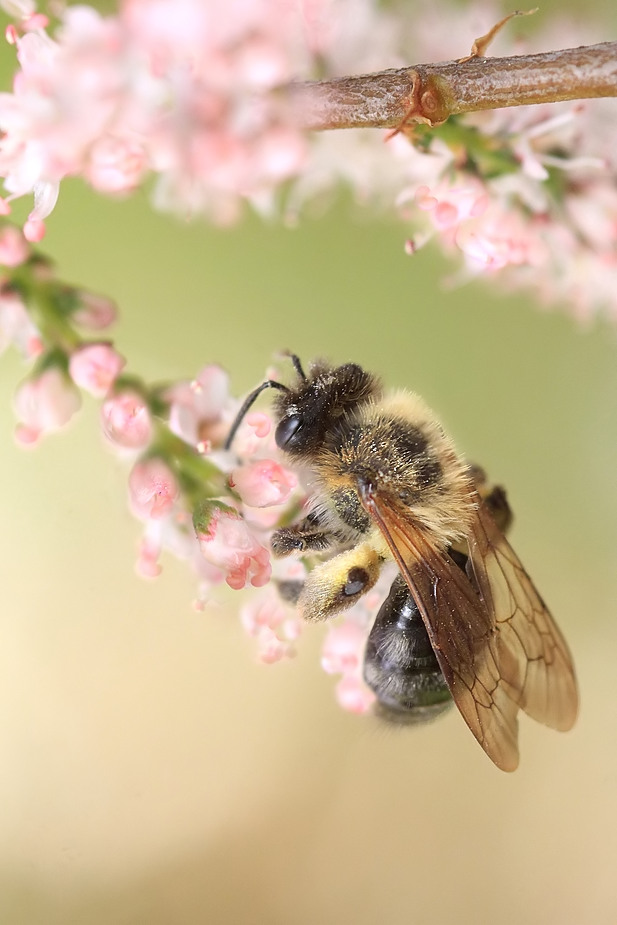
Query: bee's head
column 306, row 411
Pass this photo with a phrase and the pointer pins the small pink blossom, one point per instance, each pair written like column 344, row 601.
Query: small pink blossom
column 174, row 534
column 176, row 87
column 451, row 206
column 35, row 22
column 268, row 610
column 116, row 165
column 262, row 519
column 343, row 653
column 126, row 421
column 34, row 230
column 230, row 546
column 153, row 489
column 16, row 326
column 196, row 408
column 44, row 404
column 265, row 610
column 486, row 253
column 260, row 423
column 147, row 564
column 271, row 648
column 272, row 624
column 354, row 695
column 263, row 483
column 94, row 312
column 343, row 648
column 14, row 249
column 250, row 439
column 95, row 367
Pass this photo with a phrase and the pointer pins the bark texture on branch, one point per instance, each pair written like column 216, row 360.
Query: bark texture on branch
column 430, row 93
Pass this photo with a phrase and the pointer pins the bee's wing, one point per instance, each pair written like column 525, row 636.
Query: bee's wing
column 533, row 655
column 462, row 631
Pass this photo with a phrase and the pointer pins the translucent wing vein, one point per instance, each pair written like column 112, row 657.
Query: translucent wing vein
column 497, row 645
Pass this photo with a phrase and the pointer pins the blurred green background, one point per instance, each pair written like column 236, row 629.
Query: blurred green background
column 151, row 771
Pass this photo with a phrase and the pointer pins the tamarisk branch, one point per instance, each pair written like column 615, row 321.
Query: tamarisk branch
column 430, row 93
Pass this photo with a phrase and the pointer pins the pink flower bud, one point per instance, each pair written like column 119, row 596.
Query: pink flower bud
column 271, row 648
column 255, row 427
column 196, row 407
column 126, row 421
column 425, row 199
column 343, row 648
column 94, row 367
column 210, row 390
column 231, row 547
column 353, row 694
column 263, row 483
column 95, row 311
column 35, row 22
column 449, row 206
column 34, row 230
column 14, row 248
column 44, row 404
column 116, row 166
column 153, row 489
column 494, row 250
column 260, row 423
column 273, row 625
column 147, row 565
column 265, row 610
column 16, row 327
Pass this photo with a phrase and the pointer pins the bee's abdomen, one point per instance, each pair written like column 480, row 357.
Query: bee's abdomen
column 399, row 663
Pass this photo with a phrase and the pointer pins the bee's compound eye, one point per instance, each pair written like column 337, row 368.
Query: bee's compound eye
column 287, row 430
column 357, row 580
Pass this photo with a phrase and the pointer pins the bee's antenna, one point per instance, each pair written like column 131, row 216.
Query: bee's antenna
column 297, row 365
column 248, row 401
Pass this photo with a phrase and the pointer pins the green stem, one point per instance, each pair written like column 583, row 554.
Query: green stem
column 43, row 301
column 198, row 475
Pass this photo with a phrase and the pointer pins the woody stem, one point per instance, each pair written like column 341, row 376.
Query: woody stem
column 430, row 93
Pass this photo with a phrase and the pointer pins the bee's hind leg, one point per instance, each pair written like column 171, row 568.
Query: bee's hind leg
column 494, row 498
column 337, row 584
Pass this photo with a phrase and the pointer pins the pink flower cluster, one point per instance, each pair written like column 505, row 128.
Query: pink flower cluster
column 546, row 220
column 513, row 228
column 172, row 435
column 274, row 625
column 231, row 546
column 212, row 507
column 187, row 91
column 228, row 541
column 44, row 404
column 49, row 397
column 173, row 87
column 225, row 538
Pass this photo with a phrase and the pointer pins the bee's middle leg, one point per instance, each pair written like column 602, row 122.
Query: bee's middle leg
column 308, row 535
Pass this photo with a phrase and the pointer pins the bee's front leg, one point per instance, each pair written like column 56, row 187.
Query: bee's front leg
column 307, row 535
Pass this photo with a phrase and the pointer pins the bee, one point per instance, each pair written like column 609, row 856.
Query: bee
column 463, row 620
